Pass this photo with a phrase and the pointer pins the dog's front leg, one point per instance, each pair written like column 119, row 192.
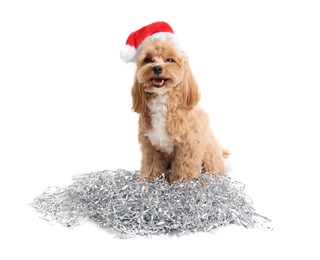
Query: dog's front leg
column 187, row 162
column 153, row 162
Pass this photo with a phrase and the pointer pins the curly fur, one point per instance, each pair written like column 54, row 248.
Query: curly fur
column 174, row 132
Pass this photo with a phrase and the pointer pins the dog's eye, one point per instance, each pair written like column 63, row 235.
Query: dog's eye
column 147, row 60
column 170, row 60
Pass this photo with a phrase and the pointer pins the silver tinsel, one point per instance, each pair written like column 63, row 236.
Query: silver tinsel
column 121, row 202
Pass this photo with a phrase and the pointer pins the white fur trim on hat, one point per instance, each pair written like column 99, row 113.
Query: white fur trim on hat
column 162, row 36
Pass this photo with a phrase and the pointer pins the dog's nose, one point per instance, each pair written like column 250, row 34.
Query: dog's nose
column 157, row 70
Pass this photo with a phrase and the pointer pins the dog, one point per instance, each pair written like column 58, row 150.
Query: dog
column 174, row 133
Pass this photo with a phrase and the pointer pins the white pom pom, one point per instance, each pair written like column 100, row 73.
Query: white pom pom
column 128, row 53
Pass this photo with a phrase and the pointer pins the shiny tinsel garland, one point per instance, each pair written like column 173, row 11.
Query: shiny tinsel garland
column 121, row 202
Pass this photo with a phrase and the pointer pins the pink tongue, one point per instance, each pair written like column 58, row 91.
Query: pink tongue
column 157, row 82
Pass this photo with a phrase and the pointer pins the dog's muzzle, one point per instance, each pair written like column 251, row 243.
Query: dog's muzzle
column 158, row 82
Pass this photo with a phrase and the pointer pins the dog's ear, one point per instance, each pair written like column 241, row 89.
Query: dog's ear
column 191, row 94
column 139, row 103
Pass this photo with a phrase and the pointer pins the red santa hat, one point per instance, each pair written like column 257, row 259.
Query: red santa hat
column 157, row 30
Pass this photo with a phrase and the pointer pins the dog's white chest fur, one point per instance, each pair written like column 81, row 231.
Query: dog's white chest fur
column 158, row 134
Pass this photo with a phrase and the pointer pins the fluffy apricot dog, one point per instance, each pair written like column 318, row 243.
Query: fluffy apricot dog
column 174, row 132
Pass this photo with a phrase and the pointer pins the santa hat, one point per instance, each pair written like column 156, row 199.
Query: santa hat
column 157, row 30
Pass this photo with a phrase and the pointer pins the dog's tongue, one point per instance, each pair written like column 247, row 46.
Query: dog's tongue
column 157, row 81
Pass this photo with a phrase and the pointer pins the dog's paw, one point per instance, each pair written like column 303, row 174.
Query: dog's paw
column 217, row 170
column 175, row 179
column 147, row 177
column 178, row 177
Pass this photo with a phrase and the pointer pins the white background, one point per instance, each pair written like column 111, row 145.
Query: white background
column 65, row 109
